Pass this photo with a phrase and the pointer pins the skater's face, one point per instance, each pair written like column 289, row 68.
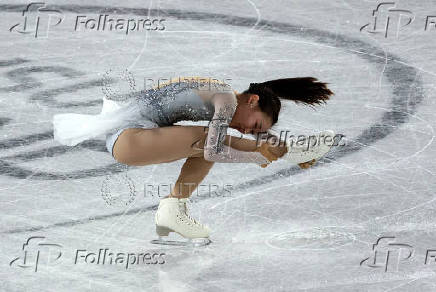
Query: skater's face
column 248, row 118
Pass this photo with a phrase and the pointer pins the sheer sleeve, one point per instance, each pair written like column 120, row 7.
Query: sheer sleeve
column 215, row 149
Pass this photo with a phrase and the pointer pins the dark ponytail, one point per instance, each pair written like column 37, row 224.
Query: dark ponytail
column 300, row 90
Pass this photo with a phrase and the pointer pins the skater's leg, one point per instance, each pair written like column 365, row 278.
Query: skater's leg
column 193, row 171
column 138, row 146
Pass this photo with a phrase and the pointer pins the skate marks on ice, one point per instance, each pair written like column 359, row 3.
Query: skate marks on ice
column 401, row 76
column 314, row 239
column 188, row 242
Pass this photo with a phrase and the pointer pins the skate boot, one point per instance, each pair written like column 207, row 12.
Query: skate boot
column 314, row 147
column 173, row 216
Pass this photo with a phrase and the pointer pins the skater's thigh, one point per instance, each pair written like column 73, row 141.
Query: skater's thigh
column 137, row 146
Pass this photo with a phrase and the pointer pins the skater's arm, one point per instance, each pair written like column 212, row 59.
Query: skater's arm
column 215, row 149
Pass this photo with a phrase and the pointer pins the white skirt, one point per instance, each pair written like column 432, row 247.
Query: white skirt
column 70, row 129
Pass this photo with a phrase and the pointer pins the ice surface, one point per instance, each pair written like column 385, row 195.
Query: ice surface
column 279, row 228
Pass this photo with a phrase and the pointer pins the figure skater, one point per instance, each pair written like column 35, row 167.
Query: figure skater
column 142, row 132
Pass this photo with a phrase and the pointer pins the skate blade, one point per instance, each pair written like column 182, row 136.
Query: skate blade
column 191, row 242
column 302, row 154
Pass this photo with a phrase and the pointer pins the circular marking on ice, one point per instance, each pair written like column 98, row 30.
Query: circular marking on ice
column 316, row 238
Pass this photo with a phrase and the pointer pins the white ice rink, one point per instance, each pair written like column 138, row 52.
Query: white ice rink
column 361, row 219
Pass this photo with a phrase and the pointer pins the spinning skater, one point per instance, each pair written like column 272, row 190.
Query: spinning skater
column 142, row 132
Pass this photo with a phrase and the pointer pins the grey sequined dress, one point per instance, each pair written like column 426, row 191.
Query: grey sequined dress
column 176, row 102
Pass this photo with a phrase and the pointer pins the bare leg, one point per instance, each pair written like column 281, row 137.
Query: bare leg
column 138, row 146
column 193, row 171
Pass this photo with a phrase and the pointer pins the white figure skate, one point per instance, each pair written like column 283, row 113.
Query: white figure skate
column 314, row 147
column 172, row 216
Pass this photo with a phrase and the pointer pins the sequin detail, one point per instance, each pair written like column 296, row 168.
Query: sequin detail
column 179, row 102
column 172, row 103
column 215, row 149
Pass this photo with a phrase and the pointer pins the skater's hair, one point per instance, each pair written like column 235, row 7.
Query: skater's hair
column 300, row 90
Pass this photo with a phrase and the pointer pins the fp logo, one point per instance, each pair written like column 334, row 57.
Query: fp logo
column 387, row 253
column 37, row 18
column 35, row 250
column 383, row 19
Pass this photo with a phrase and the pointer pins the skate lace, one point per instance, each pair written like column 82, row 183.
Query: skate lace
column 184, row 208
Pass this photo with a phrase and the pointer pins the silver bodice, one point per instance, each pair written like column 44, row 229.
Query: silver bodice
column 173, row 103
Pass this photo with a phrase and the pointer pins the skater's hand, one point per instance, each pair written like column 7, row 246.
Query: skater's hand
column 308, row 164
column 266, row 150
column 264, row 165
